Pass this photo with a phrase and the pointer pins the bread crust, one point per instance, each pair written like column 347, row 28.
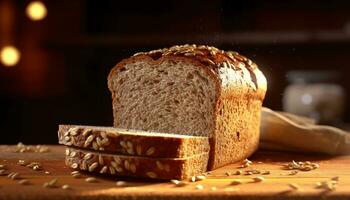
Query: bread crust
column 131, row 142
column 240, row 86
column 133, row 166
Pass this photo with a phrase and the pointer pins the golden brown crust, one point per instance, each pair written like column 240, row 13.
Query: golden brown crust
column 241, row 88
column 127, row 142
column 134, row 166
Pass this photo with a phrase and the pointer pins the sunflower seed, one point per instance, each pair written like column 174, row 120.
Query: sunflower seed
column 258, row 179
column 111, row 170
column 87, row 156
column 72, row 154
column 151, row 174
column 150, row 151
column 93, row 166
column 99, row 141
column 22, row 162
column 15, row 175
column 2, row 172
column 24, row 182
column 91, row 180
column 2, row 166
column 53, row 182
column 103, row 170
column 159, row 165
column 74, row 166
column 120, row 183
column 86, row 132
column 199, row 187
column 67, row 152
column 200, row 178
column 67, row 138
column 95, row 146
column 119, row 169
column 265, row 172
column 123, row 144
column 65, row 187
column 236, row 182
column 130, row 151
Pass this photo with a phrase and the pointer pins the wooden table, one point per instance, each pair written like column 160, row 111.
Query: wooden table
column 275, row 185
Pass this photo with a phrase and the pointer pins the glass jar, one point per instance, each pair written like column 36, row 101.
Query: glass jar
column 315, row 94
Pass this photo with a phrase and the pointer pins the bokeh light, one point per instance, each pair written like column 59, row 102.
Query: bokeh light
column 9, row 56
column 36, row 10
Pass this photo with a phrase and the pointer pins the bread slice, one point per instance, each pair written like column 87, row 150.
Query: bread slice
column 135, row 166
column 192, row 90
column 132, row 142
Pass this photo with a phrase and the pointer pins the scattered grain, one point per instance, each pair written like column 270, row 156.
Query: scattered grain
column 150, row 151
column 236, row 182
column 151, row 174
column 93, row 166
column 66, row 187
column 120, row 183
column 258, row 179
column 91, row 180
column 199, row 187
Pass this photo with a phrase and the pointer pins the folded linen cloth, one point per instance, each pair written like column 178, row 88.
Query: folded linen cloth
column 287, row 132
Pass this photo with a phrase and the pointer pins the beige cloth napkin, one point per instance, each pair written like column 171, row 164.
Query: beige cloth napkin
column 287, row 132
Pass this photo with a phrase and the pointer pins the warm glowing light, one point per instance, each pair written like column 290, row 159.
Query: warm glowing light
column 9, row 56
column 36, row 10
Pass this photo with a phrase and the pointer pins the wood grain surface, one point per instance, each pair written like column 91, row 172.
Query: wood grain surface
column 275, row 185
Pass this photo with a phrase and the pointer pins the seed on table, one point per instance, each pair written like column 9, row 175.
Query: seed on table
column 258, row 179
column 199, row 187
column 36, row 167
column 294, row 186
column 200, row 178
column 65, row 187
column 15, row 176
column 53, row 182
column 91, row 180
column 228, row 173
column 265, row 172
column 120, row 183
column 24, row 182
column 236, row 182
column 2, row 166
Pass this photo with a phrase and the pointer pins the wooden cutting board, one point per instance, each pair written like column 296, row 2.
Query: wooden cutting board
column 275, row 185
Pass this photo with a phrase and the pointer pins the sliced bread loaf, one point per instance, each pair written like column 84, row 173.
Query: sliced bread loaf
column 192, row 90
column 132, row 142
column 135, row 166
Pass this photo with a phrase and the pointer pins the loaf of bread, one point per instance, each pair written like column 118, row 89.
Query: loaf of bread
column 192, row 90
column 132, row 142
column 136, row 166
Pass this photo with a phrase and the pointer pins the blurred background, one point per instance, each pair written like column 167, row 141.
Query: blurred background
column 55, row 55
